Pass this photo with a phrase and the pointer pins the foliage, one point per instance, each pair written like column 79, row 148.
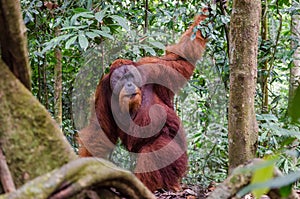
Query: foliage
column 206, row 125
column 278, row 138
column 94, row 33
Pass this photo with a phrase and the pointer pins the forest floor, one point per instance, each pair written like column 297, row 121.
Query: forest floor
column 188, row 192
column 195, row 192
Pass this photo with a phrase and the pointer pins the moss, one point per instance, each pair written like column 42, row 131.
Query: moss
column 32, row 142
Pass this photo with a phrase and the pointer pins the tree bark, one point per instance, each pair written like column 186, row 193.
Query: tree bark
column 13, row 40
column 57, row 76
column 295, row 69
column 45, row 88
column 242, row 125
column 58, row 84
column 31, row 140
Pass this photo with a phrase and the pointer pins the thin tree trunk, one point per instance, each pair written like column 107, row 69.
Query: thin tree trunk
column 39, row 95
column 264, row 77
column 146, row 17
column 45, row 88
column 58, row 85
column 57, row 75
column 145, row 30
column 242, row 125
column 295, row 70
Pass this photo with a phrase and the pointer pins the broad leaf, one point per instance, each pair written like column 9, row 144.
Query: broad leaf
column 100, row 15
column 121, row 21
column 70, row 42
column 275, row 183
column 83, row 41
column 91, row 35
column 148, row 49
column 262, row 175
column 104, row 34
column 157, row 44
column 74, row 27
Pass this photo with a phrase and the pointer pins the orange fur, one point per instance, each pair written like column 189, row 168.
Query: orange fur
column 179, row 60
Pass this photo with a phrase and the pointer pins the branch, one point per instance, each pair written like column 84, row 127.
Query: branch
column 79, row 175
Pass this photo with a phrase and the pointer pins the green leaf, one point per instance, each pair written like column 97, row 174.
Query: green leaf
column 100, row 15
column 295, row 110
column 83, row 41
column 77, row 10
column 276, row 129
column 157, row 44
column 121, row 21
column 70, row 42
column 267, row 117
column 148, row 49
column 285, row 191
column 136, row 50
column 55, row 42
column 61, row 38
column 88, row 15
column 104, row 34
column 272, row 184
column 74, row 27
column 91, row 35
column 89, row 4
column 262, row 175
column 282, row 2
column 49, row 45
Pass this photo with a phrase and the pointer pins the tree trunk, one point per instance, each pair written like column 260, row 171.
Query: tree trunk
column 295, row 70
column 30, row 139
column 58, row 85
column 57, row 76
column 13, row 40
column 242, row 125
column 264, row 69
column 45, row 88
